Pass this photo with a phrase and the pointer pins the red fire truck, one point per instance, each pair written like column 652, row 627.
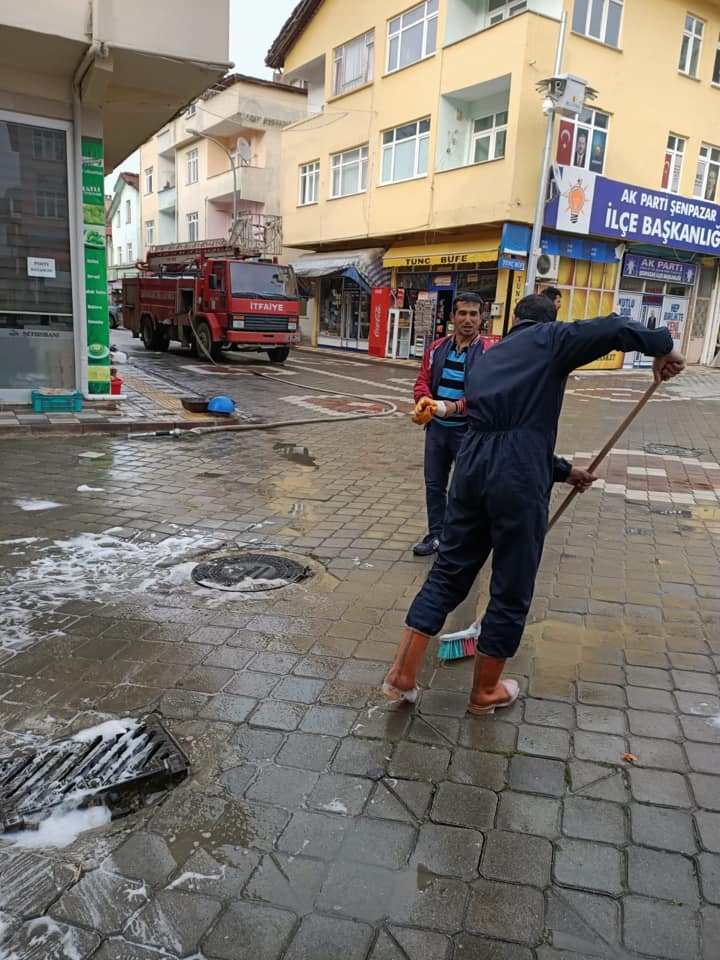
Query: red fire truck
column 209, row 297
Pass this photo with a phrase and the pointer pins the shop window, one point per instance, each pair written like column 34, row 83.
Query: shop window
column 587, row 287
column 412, row 36
column 349, row 172
column 193, row 171
column 36, row 305
column 690, row 47
column 489, row 137
column 309, row 183
column 599, row 20
column 674, row 153
column 149, row 180
column 583, row 142
column 708, row 170
column 193, row 226
column 353, row 63
column 405, row 152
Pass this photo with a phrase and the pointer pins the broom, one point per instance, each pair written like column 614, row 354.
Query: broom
column 463, row 643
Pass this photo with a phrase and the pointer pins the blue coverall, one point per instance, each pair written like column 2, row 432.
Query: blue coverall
column 505, row 468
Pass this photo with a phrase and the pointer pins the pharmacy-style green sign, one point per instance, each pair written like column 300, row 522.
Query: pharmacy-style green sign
column 96, row 297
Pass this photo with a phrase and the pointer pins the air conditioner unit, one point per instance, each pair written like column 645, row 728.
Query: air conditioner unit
column 547, row 266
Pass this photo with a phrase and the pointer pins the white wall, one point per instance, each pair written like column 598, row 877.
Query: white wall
column 127, row 232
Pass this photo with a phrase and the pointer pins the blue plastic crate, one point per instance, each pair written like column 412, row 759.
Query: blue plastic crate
column 56, row 401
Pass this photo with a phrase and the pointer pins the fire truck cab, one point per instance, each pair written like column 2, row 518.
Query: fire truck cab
column 208, row 297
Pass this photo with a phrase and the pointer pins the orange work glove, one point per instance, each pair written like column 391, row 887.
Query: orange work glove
column 425, row 410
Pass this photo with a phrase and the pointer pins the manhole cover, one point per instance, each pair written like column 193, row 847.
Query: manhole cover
column 671, row 512
column 667, row 450
column 249, row 572
column 109, row 762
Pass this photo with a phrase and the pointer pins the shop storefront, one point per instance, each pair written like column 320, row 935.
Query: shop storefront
column 427, row 279
column 340, row 283
column 659, row 269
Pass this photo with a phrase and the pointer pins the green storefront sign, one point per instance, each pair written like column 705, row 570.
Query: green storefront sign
column 96, row 298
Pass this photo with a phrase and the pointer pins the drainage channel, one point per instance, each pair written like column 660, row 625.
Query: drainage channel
column 115, row 764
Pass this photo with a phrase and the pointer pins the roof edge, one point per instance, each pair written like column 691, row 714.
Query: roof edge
column 291, row 30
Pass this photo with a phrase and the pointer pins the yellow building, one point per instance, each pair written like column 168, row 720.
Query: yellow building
column 424, row 142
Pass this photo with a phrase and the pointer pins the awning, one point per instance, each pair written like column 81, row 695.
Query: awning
column 516, row 241
column 450, row 254
column 364, row 266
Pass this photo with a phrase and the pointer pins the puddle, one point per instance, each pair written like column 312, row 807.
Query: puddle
column 295, row 454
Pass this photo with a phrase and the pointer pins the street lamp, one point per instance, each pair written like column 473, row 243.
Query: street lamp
column 221, row 145
column 564, row 94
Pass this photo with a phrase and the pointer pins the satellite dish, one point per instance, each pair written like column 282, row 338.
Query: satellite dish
column 243, row 151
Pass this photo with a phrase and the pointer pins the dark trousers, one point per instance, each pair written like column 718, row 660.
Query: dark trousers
column 495, row 504
column 441, row 448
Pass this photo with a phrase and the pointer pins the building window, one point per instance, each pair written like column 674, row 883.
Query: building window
column 118, row 255
column 583, row 143
column 309, row 183
column 716, row 65
column 412, row 36
column 672, row 169
column 117, row 220
column 488, row 137
column 353, row 63
column 149, row 180
column 128, row 212
column 598, row 19
column 499, row 10
column 193, row 226
column 192, row 166
column 129, row 253
column 349, row 172
column 50, row 204
column 149, row 233
column 405, row 152
column 690, row 49
column 191, row 110
column 708, row 171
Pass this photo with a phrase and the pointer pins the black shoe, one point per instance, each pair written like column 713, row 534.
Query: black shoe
column 426, row 547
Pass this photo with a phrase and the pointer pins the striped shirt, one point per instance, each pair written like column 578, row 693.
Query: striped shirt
column 452, row 385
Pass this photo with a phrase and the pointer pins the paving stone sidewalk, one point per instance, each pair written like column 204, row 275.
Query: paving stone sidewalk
column 321, row 822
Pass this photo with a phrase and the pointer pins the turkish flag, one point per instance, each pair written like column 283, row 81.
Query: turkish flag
column 666, row 171
column 565, row 142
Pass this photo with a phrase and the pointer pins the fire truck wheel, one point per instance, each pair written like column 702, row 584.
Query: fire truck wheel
column 278, row 354
column 206, row 348
column 147, row 332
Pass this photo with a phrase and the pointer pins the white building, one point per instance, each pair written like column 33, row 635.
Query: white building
column 124, row 218
column 82, row 84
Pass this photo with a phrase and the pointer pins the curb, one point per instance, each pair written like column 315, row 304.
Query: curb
column 8, row 431
column 352, row 356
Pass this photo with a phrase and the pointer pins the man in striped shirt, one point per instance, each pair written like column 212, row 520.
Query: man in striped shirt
column 442, row 377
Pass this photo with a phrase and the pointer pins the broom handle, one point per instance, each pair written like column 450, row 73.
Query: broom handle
column 605, row 450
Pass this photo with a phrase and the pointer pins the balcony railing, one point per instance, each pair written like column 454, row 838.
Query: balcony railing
column 167, row 199
column 258, row 234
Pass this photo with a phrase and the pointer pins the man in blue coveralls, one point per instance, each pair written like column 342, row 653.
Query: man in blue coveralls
column 501, row 488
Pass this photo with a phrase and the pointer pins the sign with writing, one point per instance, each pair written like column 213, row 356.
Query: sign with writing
column 586, row 203
column 511, row 263
column 41, row 267
column 96, row 298
column 653, row 268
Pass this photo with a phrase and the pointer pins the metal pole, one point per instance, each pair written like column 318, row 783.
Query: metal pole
column 544, row 169
column 221, row 145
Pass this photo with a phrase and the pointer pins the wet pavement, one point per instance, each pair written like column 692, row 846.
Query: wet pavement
column 319, row 820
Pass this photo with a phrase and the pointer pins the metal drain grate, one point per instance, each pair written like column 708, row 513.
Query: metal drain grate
column 668, row 450
column 106, row 763
column 673, row 512
column 249, row 572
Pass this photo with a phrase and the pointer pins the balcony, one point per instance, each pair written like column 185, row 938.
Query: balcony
column 253, row 184
column 167, row 200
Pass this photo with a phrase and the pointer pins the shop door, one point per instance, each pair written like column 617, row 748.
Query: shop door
column 354, row 320
column 650, row 313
